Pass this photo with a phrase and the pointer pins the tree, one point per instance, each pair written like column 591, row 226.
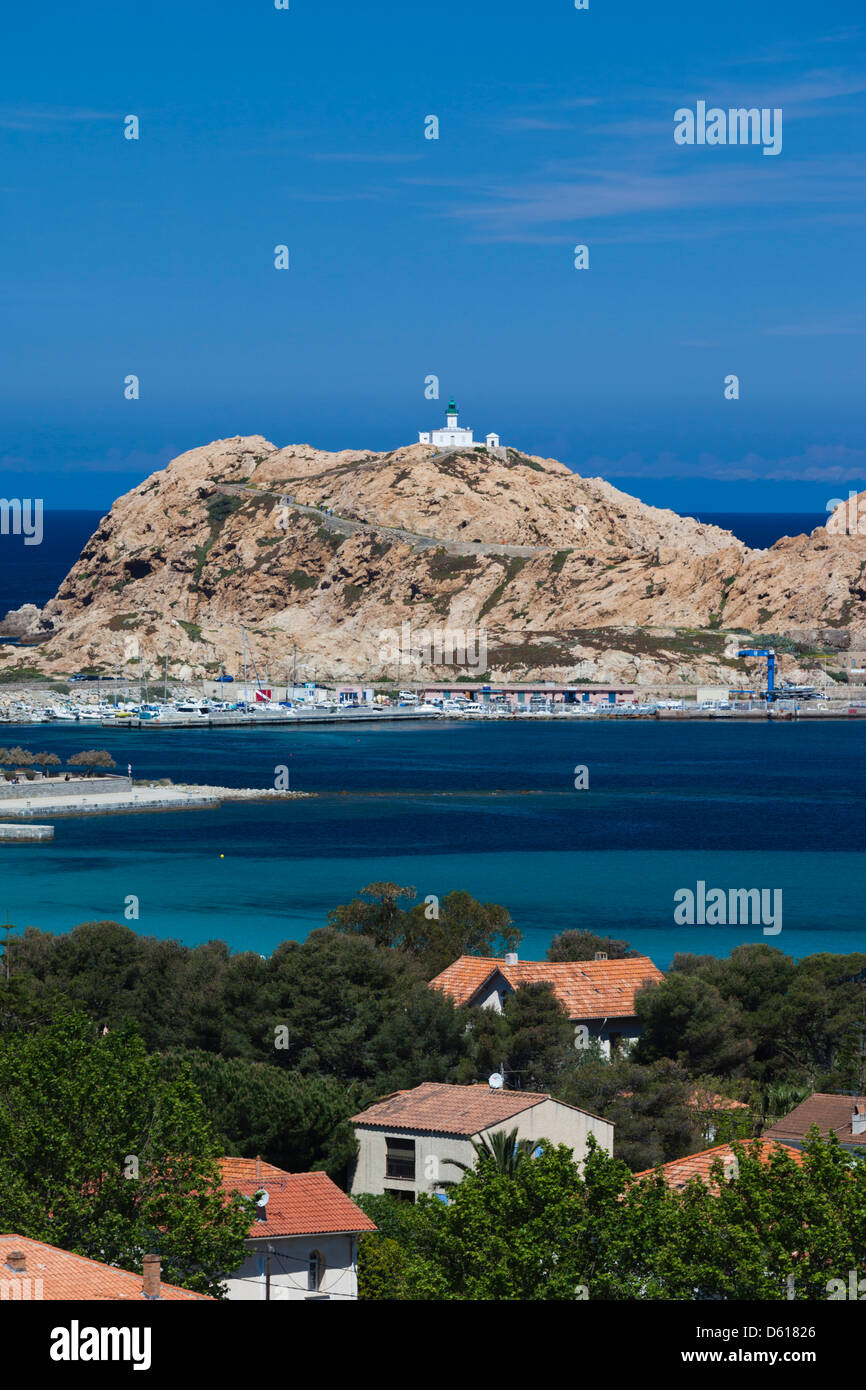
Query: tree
column 102, row 1155
column 540, row 1049
column 376, row 913
column 461, row 926
column 505, row 1151
column 295, row 1122
column 501, row 1236
column 47, row 759
column 361, row 1012
column 16, row 757
column 550, row 1230
column 584, row 945
column 650, row 1106
column 432, row 933
column 91, row 758
column 686, row 1018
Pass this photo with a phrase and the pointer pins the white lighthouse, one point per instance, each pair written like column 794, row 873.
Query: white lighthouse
column 454, row 435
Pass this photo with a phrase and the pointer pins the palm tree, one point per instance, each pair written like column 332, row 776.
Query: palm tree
column 505, row 1151
column 778, row 1098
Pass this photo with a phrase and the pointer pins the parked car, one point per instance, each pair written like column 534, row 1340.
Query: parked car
column 224, row 678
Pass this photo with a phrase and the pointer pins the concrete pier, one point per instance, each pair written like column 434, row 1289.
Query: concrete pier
column 18, row 834
column 155, row 798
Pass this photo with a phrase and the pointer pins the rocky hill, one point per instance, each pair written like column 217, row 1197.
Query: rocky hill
column 329, row 553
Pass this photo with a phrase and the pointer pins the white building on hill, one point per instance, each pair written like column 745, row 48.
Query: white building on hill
column 454, row 435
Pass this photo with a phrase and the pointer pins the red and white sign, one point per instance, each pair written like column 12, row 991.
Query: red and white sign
column 263, row 697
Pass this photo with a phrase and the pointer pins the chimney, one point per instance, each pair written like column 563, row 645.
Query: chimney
column 150, row 1278
column 858, row 1118
column 16, row 1260
column 258, row 1168
column 511, row 958
column 601, row 955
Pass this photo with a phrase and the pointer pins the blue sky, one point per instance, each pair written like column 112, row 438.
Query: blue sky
column 452, row 257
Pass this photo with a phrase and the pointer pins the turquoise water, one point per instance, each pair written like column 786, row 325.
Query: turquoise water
column 486, row 807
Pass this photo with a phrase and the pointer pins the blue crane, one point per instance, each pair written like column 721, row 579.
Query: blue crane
column 769, row 654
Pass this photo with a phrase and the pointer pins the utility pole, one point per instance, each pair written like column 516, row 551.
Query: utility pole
column 165, row 681
column 268, row 1249
column 294, row 668
column 7, row 927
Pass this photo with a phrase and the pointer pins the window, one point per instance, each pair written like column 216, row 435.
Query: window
column 315, row 1271
column 403, row 1194
column 400, row 1159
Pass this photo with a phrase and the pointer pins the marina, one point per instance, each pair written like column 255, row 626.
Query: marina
column 353, row 704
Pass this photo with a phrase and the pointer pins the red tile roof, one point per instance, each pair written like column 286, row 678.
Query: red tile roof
column 438, row 1108
column 831, row 1113
column 699, row 1099
column 300, row 1203
column 682, row 1170
column 585, row 988
column 68, row 1276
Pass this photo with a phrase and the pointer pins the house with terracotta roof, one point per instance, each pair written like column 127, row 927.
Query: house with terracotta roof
column 32, row 1270
column 406, row 1139
column 699, row 1165
column 844, row 1116
column 711, row 1110
column 303, row 1241
column 598, row 995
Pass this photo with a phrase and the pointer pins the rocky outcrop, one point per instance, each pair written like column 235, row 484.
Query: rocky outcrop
column 322, row 557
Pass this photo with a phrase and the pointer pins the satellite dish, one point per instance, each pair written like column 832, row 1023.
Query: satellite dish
column 496, row 1081
column 262, row 1198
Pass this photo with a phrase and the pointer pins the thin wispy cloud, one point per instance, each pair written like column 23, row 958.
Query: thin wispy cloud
column 519, row 124
column 48, row 117
column 517, row 210
column 820, row 463
column 823, row 328
column 363, row 157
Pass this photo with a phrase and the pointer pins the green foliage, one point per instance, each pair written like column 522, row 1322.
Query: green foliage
column 548, row 1231
column 295, row 1122
column 761, row 1015
column 101, row 1155
column 91, row 758
column 12, row 675
column 502, row 1149
column 360, row 1012
column 221, row 508
column 583, row 945
column 433, row 934
column 648, row 1104
column 299, row 579
column 512, row 569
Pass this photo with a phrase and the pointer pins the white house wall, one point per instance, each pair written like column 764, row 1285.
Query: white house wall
column 548, row 1120
column 289, row 1273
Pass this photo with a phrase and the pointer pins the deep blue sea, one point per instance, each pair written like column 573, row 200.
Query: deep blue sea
column 486, row 807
